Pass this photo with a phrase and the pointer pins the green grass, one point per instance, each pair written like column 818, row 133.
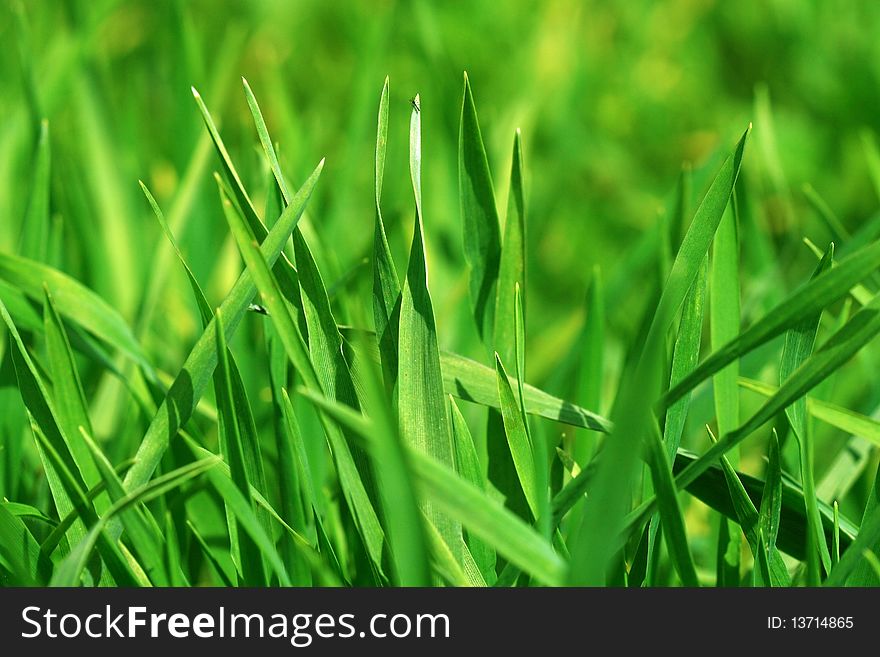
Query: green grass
column 531, row 331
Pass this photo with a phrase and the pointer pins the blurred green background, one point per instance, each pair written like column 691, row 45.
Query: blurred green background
column 612, row 99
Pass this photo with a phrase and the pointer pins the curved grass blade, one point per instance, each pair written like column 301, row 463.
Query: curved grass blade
column 142, row 531
column 481, row 232
column 70, row 570
column 75, row 302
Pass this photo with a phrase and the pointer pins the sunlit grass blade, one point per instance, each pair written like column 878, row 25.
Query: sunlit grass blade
column 406, row 525
column 479, row 214
column 474, row 382
column 512, row 265
column 421, row 401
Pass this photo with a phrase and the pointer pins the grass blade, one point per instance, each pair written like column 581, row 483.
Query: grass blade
column 386, row 285
column 479, row 214
column 421, row 402
column 512, row 267
column 799, row 342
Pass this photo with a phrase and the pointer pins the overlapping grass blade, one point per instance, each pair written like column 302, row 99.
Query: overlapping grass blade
column 817, row 294
column 70, row 570
column 842, row 418
column 143, row 533
column 604, row 512
column 189, row 384
column 233, row 427
column 840, row 347
column 75, row 302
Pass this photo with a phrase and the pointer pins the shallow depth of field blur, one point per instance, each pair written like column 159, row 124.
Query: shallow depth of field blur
column 613, row 100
